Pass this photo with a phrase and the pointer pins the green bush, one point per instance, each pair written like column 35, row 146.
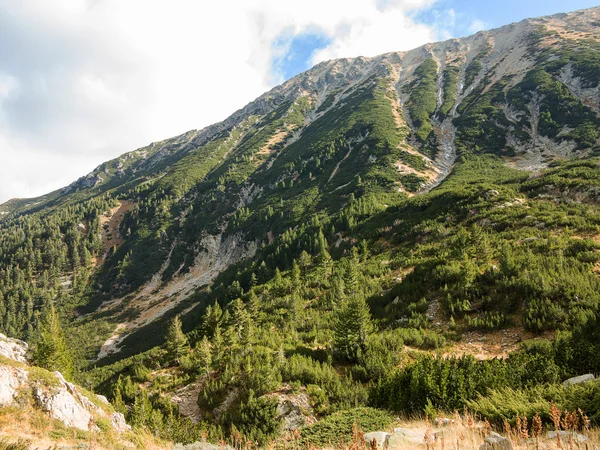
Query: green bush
column 338, row 426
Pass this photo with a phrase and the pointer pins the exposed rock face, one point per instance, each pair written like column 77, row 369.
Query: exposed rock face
column 13, row 349
column 293, row 408
column 496, row 441
column 381, row 438
column 202, row 446
column 62, row 405
column 117, row 420
column 579, row 380
column 291, row 414
column 12, row 380
column 567, row 436
column 51, row 392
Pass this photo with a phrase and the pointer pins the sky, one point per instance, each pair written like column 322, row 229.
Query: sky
column 83, row 81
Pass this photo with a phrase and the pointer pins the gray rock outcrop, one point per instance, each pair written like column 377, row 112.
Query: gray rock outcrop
column 381, row 439
column 496, row 441
column 62, row 405
column 52, row 394
column 201, row 446
column 12, row 380
column 566, row 436
column 579, row 380
column 13, row 349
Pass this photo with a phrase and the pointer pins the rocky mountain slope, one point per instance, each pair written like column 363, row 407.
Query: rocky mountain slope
column 41, row 408
column 445, row 198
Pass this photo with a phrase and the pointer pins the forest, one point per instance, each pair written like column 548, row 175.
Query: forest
column 367, row 268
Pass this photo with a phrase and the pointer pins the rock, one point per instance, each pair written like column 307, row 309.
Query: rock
column 66, row 403
column 103, row 399
column 53, row 394
column 530, row 239
column 496, row 441
column 579, row 380
column 380, row 437
column 492, row 193
column 291, row 414
column 293, row 408
column 13, row 349
column 60, row 404
column 11, row 380
column 566, row 436
column 404, row 436
column 442, row 421
column 117, row 421
column 202, row 446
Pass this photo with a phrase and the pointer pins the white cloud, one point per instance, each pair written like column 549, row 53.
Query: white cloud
column 477, row 25
column 84, row 81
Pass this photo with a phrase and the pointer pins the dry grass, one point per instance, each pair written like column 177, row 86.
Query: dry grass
column 26, row 425
column 465, row 433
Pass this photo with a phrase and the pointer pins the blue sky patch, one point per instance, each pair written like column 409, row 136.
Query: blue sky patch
column 299, row 53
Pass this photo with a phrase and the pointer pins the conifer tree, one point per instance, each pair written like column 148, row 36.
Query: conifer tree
column 296, row 276
column 51, row 351
column 204, row 355
column 177, row 343
column 352, row 327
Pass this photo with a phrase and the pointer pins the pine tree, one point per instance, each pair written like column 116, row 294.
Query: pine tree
column 242, row 322
column 177, row 343
column 352, row 327
column 51, row 351
column 204, row 355
column 296, row 276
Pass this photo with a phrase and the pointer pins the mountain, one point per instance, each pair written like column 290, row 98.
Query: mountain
column 444, row 198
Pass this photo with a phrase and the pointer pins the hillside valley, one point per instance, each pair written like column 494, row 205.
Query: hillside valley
column 408, row 237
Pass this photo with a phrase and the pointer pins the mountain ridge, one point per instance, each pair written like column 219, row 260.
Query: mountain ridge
column 410, row 233
column 301, row 84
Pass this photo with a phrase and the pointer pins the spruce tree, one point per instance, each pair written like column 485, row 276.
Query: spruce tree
column 51, row 351
column 204, row 356
column 177, row 343
column 352, row 327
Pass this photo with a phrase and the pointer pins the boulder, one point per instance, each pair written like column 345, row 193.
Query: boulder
column 566, row 436
column 201, row 446
column 496, row 441
column 443, row 422
column 381, row 438
column 13, row 349
column 579, row 380
column 410, row 436
column 53, row 394
column 117, row 421
column 293, row 408
column 60, row 404
column 103, row 399
column 291, row 414
column 11, row 380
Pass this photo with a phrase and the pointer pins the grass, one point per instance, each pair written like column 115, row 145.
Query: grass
column 25, row 427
